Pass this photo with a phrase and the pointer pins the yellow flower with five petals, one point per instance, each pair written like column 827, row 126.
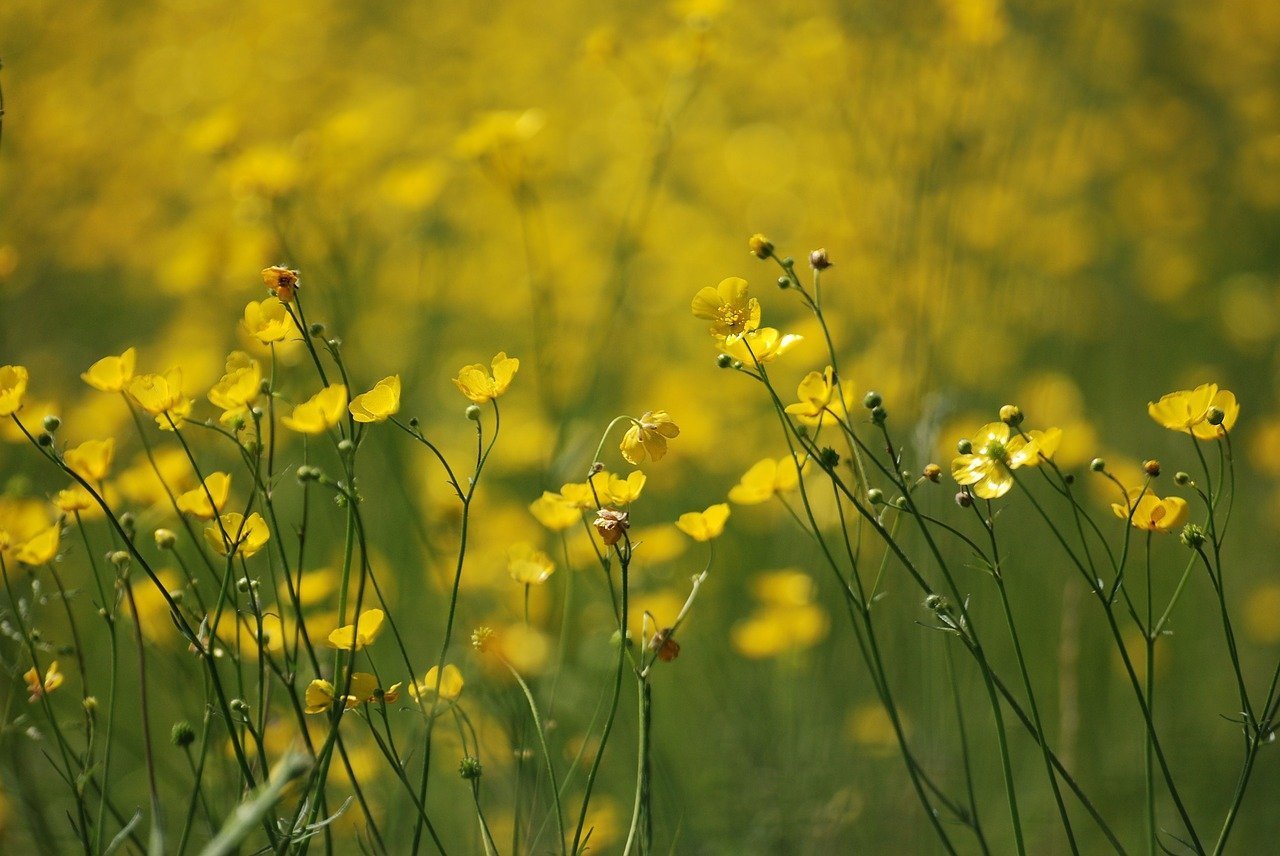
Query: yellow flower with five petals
column 765, row 480
column 761, row 346
column 112, row 374
column 647, row 437
column 729, row 308
column 161, row 396
column 244, row 536
column 237, row 389
column 320, row 412
column 1188, row 411
column 479, row 385
column 91, row 460
column 988, row 469
column 268, row 320
column 1150, row 513
column 378, row 404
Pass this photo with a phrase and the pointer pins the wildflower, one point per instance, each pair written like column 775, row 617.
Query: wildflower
column 988, row 469
column 481, row 640
column 379, row 403
column 91, row 460
column 268, row 321
column 40, row 548
column 623, row 491
column 39, row 688
column 469, row 768
column 528, row 565
column 196, row 501
column 320, row 412
column 161, row 396
column 238, row 388
column 766, row 479
column 1188, row 411
column 815, row 393
column 704, row 525
column 778, row 629
column 760, row 246
column 647, row 437
column 73, row 499
column 281, row 282
column 182, row 734
column 353, row 637
column 111, row 374
column 731, row 312
column 244, row 536
column 932, row 472
column 611, row 525
column 819, row 260
column 480, row 386
column 1150, row 513
column 320, row 694
column 762, row 346
column 13, row 385
column 450, row 688
column 554, row 512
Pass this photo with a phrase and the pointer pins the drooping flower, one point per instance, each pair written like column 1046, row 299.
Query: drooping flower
column 13, row 386
column 988, row 468
column 161, row 396
column 196, row 501
column 766, row 479
column 244, row 536
column 704, row 525
column 111, row 374
column 238, row 388
column 611, row 525
column 41, row 548
column 451, row 683
column 39, row 688
column 647, row 437
column 729, row 308
column 353, row 637
column 281, row 282
column 1150, row 513
column 555, row 512
column 320, row 412
column 91, row 460
column 529, row 565
column 268, row 321
column 479, row 385
column 816, row 393
column 1188, row 411
column 761, row 346
column 378, row 404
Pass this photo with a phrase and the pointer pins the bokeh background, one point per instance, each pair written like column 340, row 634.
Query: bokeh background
column 1069, row 205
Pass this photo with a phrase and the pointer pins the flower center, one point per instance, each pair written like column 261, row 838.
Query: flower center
column 996, row 451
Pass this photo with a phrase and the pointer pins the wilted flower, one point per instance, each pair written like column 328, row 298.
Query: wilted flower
column 611, row 525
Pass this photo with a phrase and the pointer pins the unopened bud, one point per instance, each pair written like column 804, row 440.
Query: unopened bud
column 1182, row 479
column 182, row 735
column 818, row 259
column 964, row 447
column 1151, row 467
column 1215, row 416
column 871, row 400
column 932, row 472
column 964, row 499
column 472, row 412
column 724, row 361
column 52, row 423
column 1011, row 414
column 166, row 538
column 1097, row 465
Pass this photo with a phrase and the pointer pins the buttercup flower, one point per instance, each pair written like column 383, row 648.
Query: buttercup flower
column 13, row 385
column 353, row 637
column 815, row 392
column 281, row 282
column 766, row 479
column 73, row 499
column 39, row 688
column 321, row 693
column 647, row 437
column 40, row 548
column 479, row 386
column 761, row 346
column 611, row 525
column 378, row 404
column 268, row 321
column 1151, row 513
column 554, row 512
column 238, row 388
column 619, row 490
column 1188, row 411
column 451, row 684
column 988, row 469
column 320, row 412
column 196, row 500
column 704, row 525
column 161, row 396
column 91, row 460
column 529, row 565
column 111, row 374
column 247, row 535
column 731, row 312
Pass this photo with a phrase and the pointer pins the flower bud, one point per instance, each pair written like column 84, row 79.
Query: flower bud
column 1097, row 465
column 182, row 735
column 964, row 446
column 316, row 330
column 472, row 412
column 829, row 458
column 784, row 282
column 165, row 539
column 871, row 400
column 345, row 445
column 1182, row 479
column 818, row 259
column 964, row 499
column 1011, row 414
column 1151, row 467
column 932, row 472
column 414, row 422
column 120, row 559
column 52, row 424
column 334, row 344
column 875, row 496
column 935, row 602
column 469, row 768
column 879, row 414
column 239, row 705
column 724, row 361
column 1192, row 536
column 45, row 439
column 760, row 246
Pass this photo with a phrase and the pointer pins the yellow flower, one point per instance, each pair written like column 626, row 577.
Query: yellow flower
column 281, row 282
column 13, row 385
column 111, row 374
column 38, row 688
column 353, row 637
column 773, row 631
column 41, row 548
column 581, row 495
column 704, row 525
column 161, row 396
column 477, row 384
column 647, row 437
column 1188, row 411
column 766, row 479
column 196, row 500
column 247, row 535
column 319, row 696
column 72, row 499
column 91, row 460
column 761, row 346
column 988, row 469
column 268, row 321
column 1151, row 513
column 238, row 388
column 815, row 392
column 451, row 684
column 320, row 412
column 321, row 693
column 379, row 403
column 620, row 491
column 554, row 512
column 760, row 246
column 729, row 309
column 529, row 565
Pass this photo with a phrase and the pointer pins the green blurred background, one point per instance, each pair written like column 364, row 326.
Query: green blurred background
column 1069, row 205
